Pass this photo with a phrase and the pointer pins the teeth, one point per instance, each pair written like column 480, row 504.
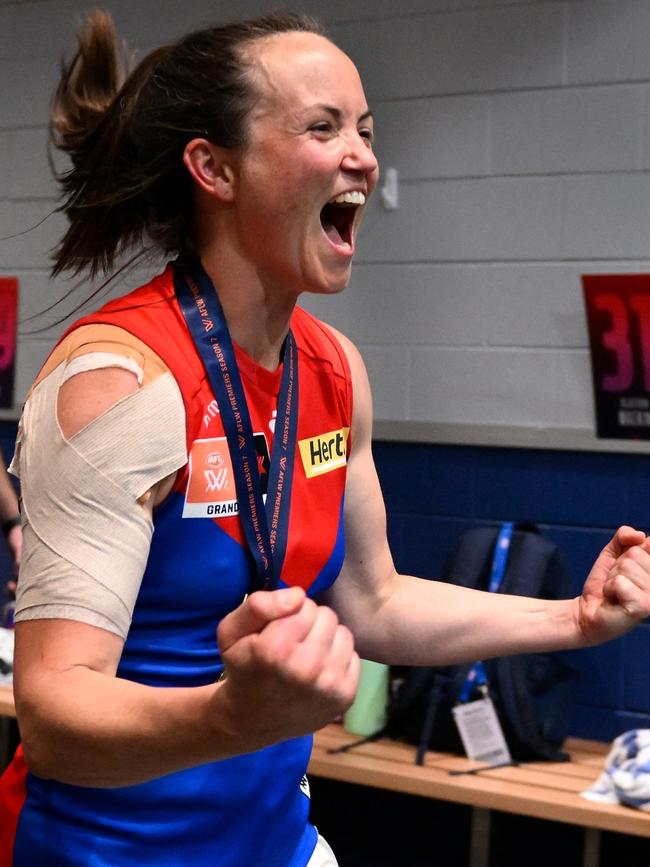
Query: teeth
column 351, row 198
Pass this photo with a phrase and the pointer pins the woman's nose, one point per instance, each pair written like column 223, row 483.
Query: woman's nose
column 359, row 157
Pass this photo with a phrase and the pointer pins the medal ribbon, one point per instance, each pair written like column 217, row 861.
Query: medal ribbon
column 265, row 527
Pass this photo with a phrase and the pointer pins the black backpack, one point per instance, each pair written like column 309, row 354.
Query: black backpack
column 532, row 693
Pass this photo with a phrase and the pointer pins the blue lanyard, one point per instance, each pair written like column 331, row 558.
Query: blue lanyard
column 265, row 527
column 500, row 557
column 476, row 676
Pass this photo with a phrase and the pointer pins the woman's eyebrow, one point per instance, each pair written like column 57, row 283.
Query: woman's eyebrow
column 338, row 114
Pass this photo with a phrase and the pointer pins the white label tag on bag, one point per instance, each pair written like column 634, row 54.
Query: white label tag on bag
column 481, row 732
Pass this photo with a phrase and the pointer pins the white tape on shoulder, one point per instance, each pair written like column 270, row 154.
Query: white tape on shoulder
column 140, row 440
column 80, row 496
column 99, row 360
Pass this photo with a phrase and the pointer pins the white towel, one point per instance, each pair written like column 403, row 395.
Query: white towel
column 626, row 778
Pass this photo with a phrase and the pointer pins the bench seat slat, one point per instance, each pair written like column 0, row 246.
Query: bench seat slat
column 335, row 736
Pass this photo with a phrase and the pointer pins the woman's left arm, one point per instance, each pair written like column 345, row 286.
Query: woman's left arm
column 406, row 620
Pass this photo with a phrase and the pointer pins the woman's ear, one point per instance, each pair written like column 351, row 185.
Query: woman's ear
column 211, row 167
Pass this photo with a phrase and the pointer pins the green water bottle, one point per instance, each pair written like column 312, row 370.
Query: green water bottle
column 367, row 714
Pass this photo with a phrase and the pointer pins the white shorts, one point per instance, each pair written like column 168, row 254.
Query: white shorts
column 323, row 855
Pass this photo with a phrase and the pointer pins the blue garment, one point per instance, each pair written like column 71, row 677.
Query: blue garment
column 251, row 809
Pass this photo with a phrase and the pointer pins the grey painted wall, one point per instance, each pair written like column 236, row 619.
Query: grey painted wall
column 521, row 133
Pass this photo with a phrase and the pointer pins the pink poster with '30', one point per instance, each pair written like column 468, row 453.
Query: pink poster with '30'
column 8, row 325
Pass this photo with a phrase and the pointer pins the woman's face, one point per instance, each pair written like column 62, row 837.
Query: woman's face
column 309, row 143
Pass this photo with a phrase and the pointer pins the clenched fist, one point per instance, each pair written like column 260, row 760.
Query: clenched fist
column 291, row 667
column 616, row 595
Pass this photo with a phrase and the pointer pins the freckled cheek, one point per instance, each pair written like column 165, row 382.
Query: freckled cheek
column 288, row 218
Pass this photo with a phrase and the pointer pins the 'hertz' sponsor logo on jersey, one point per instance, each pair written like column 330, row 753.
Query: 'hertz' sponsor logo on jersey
column 324, row 453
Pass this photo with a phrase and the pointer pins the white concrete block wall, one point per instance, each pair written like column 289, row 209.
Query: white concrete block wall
column 566, row 130
column 521, row 133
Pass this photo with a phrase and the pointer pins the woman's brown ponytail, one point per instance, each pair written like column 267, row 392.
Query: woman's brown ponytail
column 88, row 84
column 126, row 135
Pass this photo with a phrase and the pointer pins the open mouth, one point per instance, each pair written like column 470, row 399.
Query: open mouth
column 337, row 218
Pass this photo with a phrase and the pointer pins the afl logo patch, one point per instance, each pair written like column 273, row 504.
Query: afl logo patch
column 211, row 485
column 211, row 491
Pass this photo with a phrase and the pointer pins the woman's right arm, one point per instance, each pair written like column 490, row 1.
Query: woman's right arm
column 80, row 724
column 291, row 669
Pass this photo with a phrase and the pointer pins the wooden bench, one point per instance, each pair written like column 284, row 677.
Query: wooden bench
column 542, row 790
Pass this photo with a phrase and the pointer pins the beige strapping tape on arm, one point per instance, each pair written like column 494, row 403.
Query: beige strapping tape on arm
column 80, row 496
column 53, row 588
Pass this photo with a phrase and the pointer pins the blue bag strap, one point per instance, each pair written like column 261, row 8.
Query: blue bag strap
column 476, row 676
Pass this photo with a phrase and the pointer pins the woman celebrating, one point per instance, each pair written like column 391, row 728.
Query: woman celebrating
column 196, row 456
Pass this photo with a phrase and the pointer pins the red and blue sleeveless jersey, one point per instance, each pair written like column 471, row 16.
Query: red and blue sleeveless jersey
column 251, row 809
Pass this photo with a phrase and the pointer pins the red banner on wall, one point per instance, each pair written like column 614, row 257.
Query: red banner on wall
column 618, row 317
column 8, row 325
